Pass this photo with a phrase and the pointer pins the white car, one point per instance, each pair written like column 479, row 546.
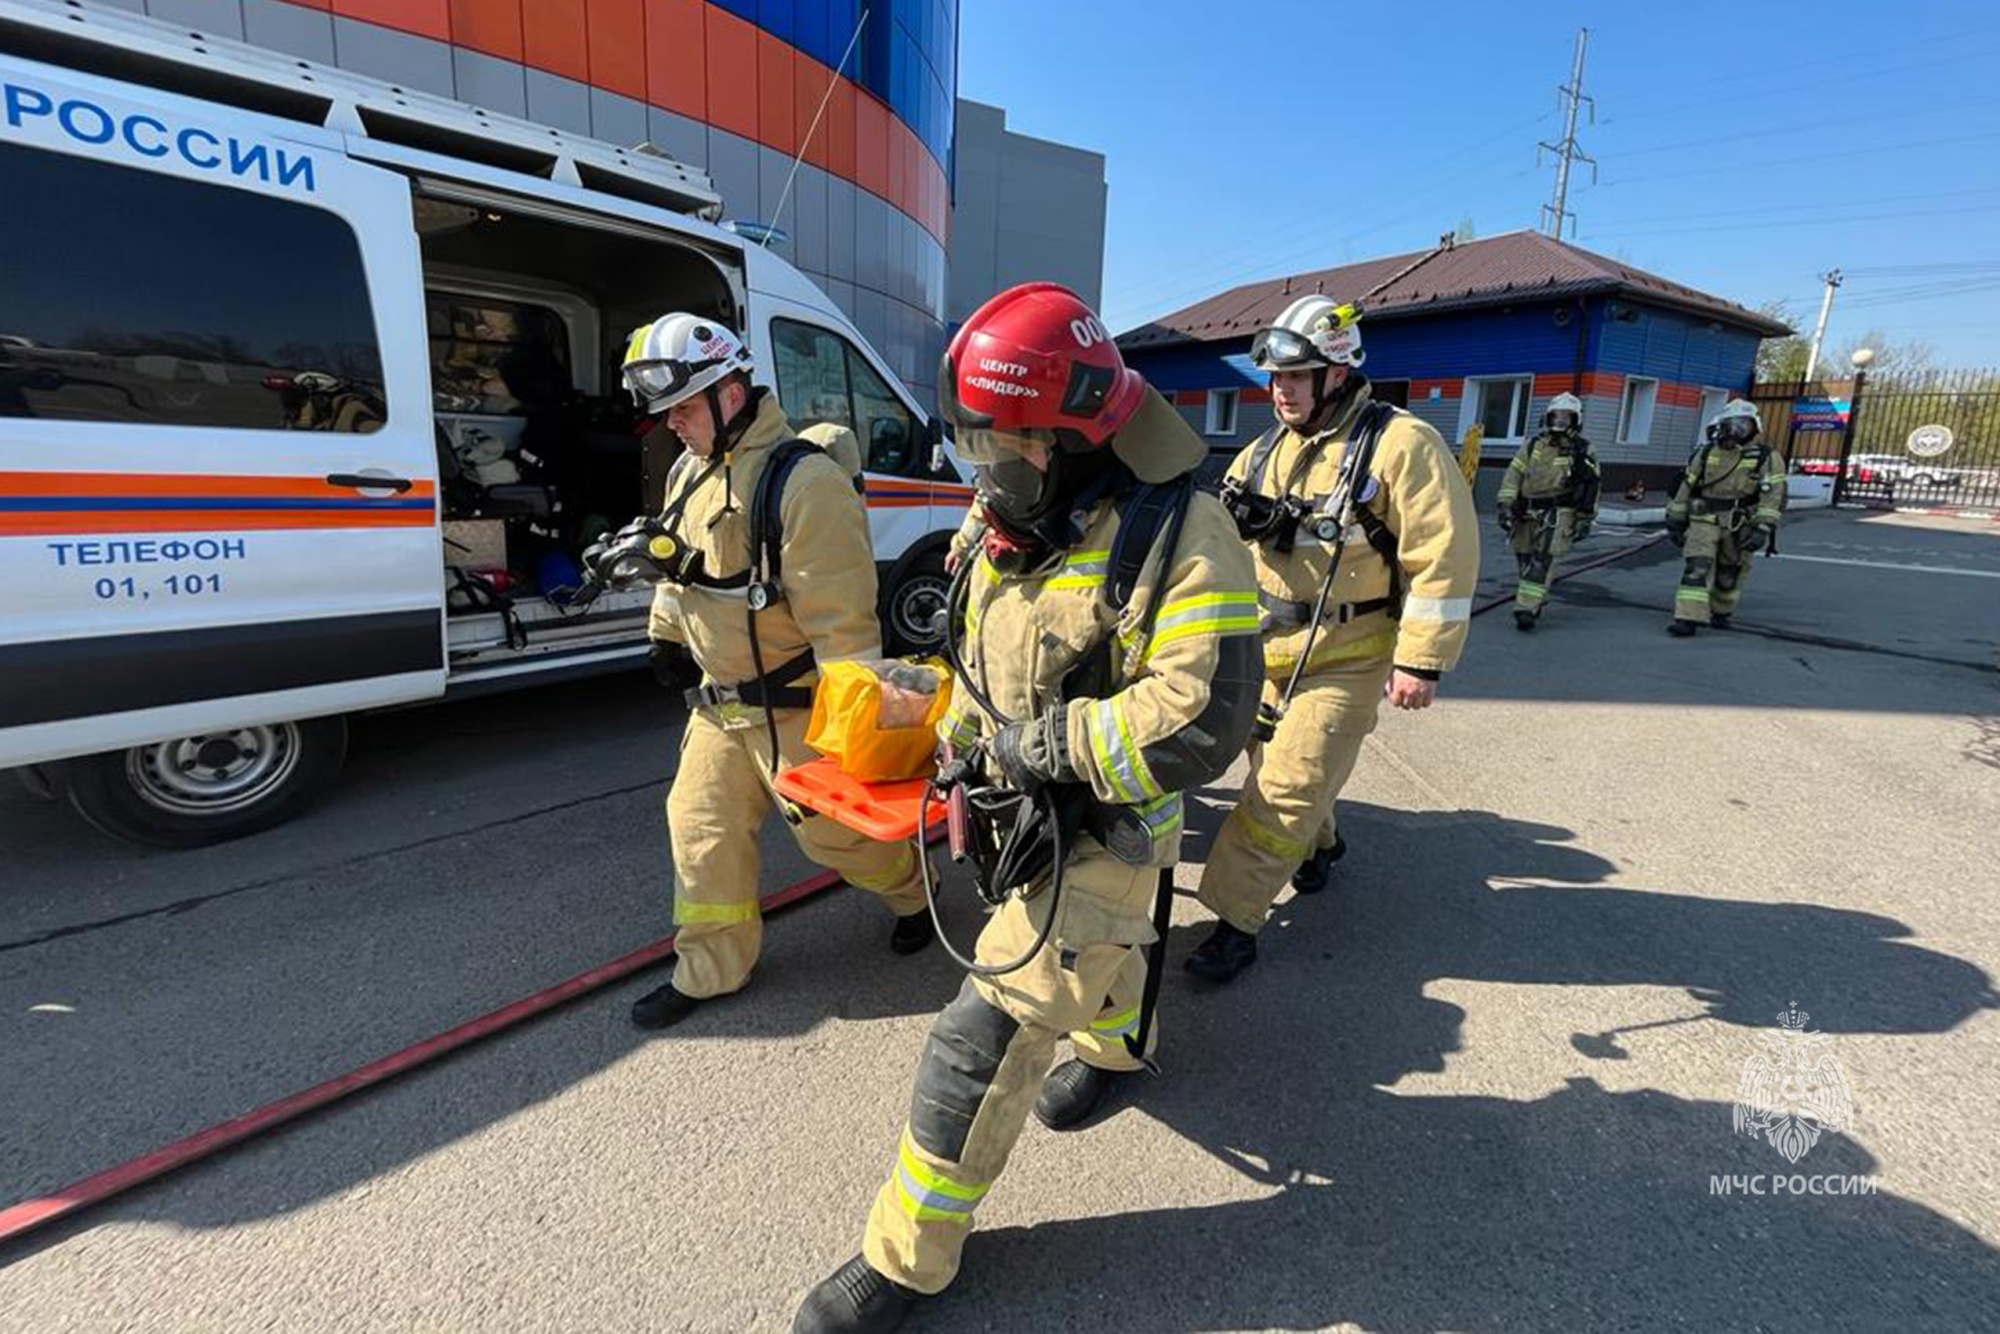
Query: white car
column 1896, row 469
column 277, row 384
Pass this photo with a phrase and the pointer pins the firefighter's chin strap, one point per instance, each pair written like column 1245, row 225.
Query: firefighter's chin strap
column 1012, row 859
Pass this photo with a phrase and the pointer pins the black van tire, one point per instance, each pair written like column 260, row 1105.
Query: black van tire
column 912, row 592
column 44, row 782
column 193, row 791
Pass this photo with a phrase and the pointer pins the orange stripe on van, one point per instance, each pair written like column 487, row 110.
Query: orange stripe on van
column 180, row 484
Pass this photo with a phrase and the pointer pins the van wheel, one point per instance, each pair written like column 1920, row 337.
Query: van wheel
column 43, row 781
column 913, row 606
column 210, row 788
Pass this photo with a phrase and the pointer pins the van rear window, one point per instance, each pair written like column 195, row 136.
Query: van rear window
column 137, row 297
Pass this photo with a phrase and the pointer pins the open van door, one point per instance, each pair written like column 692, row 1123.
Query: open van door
column 218, row 470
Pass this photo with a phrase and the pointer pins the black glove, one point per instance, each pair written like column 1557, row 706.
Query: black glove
column 1758, row 537
column 1033, row 753
column 673, row 665
column 1579, row 529
column 1506, row 517
column 1677, row 533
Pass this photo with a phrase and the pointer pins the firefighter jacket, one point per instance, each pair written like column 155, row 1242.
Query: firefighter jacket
column 1417, row 607
column 1734, row 487
column 827, row 565
column 1558, row 471
column 1170, row 683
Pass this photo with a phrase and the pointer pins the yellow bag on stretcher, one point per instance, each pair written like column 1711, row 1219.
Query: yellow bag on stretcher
column 878, row 720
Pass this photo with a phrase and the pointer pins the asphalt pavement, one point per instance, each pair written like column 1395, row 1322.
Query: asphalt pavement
column 1484, row 1083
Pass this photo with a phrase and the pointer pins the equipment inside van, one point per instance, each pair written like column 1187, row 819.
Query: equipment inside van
column 309, row 404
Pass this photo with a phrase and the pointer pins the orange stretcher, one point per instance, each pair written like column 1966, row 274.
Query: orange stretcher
column 886, row 812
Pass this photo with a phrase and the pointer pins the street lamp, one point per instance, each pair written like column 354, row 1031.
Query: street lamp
column 1860, row 359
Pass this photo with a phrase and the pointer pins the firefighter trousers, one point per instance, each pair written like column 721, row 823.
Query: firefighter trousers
column 716, row 808
column 1287, row 805
column 1538, row 544
column 1713, row 570
column 988, row 1051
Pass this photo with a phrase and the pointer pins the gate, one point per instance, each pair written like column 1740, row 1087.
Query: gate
column 1926, row 440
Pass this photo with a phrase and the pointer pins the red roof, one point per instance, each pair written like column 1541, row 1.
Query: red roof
column 1499, row 269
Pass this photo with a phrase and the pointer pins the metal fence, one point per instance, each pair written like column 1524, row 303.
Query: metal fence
column 1927, row 440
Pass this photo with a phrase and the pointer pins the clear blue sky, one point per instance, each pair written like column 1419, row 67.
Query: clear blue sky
column 1743, row 148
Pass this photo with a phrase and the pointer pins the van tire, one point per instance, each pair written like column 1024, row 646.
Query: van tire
column 914, row 591
column 44, row 782
column 257, row 777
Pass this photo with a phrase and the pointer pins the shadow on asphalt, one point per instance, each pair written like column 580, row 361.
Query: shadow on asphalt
column 1582, row 1208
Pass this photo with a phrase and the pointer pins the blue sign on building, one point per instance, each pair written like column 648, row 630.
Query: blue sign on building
column 1820, row 414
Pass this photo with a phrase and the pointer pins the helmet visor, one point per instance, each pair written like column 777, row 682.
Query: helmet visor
column 1735, row 430
column 1281, row 349
column 1013, row 468
column 651, row 381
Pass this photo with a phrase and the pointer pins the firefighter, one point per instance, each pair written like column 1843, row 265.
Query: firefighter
column 1125, row 709
column 747, row 717
column 1548, row 500
column 1724, row 509
column 1390, row 617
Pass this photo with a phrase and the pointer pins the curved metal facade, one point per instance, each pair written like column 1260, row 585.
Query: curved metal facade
column 731, row 86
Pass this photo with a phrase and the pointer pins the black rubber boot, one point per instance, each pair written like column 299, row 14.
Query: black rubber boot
column 1680, row 629
column 1524, row 619
column 663, row 1007
column 1720, row 619
column 912, row 933
column 1223, row 955
column 853, row 1299
column 1072, row 1092
column 1316, row 871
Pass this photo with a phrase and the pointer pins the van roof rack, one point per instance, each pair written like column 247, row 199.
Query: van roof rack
column 118, row 45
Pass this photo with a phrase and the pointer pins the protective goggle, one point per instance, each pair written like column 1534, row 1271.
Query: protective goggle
column 650, row 381
column 1561, row 419
column 989, row 448
column 1738, row 430
column 1282, row 347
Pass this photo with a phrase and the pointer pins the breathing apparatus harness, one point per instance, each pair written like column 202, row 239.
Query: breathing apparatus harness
column 1275, row 521
column 652, row 550
column 1696, row 481
column 1014, row 839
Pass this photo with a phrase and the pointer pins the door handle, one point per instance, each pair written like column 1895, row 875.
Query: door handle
column 362, row 481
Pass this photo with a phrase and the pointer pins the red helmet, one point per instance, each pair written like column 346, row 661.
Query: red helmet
column 1036, row 357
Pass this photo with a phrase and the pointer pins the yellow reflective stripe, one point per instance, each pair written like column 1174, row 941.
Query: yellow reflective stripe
column 1162, row 817
column 1140, row 774
column 958, row 727
column 637, row 343
column 1125, row 1021
column 1271, row 841
column 687, row 912
column 906, row 861
column 1096, row 726
column 1083, row 569
column 1366, row 647
column 1221, row 625
column 926, row 1193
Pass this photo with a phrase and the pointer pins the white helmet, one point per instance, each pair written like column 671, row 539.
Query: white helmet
column 1736, row 424
column 679, row 355
column 1567, row 403
column 1312, row 331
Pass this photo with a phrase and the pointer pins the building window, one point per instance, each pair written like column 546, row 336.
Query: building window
column 1711, row 403
column 1498, row 405
column 1221, row 412
column 137, row 297
column 1635, row 413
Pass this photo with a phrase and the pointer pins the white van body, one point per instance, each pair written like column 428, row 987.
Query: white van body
column 194, row 555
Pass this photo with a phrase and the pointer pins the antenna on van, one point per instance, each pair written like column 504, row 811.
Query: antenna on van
column 778, row 218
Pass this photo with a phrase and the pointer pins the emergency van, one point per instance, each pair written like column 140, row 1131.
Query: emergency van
column 309, row 401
